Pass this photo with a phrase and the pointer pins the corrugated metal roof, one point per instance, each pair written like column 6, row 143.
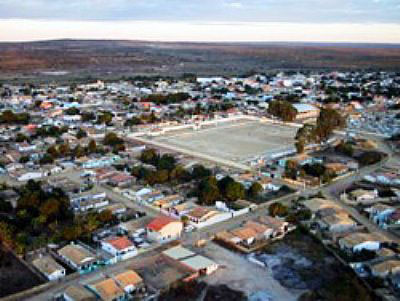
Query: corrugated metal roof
column 178, row 252
column 198, row 262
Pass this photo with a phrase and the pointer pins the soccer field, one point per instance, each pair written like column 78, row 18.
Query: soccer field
column 235, row 141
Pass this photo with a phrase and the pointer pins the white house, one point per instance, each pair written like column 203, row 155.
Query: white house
column 164, row 229
column 30, row 176
column 25, row 147
column 380, row 212
column 120, row 247
column 362, row 195
column 357, row 242
column 49, row 268
column 77, row 257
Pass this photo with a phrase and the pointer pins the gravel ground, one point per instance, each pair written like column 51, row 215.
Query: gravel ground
column 240, row 274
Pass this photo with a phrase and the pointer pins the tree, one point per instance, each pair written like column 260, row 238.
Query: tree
column 161, row 176
column 105, row 118
column 149, row 156
column 64, row 149
column 81, row 134
column 21, row 138
column 282, row 109
column 345, row 148
column 166, row 162
column 327, row 122
column 300, row 146
column 50, row 209
column 105, row 216
column 92, row 222
column 72, row 111
column 208, row 191
column 291, row 169
column 255, row 189
column 78, row 151
column 209, row 194
column 9, row 117
column 315, row 170
column 6, row 235
column 235, row 191
column 5, row 206
column 133, row 121
column 223, row 184
column 369, row 158
column 88, row 116
column 185, row 219
column 92, row 146
column 200, row 172
column 72, row 232
column 46, row 159
column 179, row 173
column 53, row 151
column 153, row 118
column 112, row 139
column 277, row 209
column 24, row 159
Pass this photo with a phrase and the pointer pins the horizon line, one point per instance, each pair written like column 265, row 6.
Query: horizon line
column 198, row 42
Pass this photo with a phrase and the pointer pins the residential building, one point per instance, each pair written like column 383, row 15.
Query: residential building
column 49, row 268
column 163, row 229
column 108, row 290
column 356, row 242
column 119, row 247
column 78, row 293
column 78, row 257
column 129, row 281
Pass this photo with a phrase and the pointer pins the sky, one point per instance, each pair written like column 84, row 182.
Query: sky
column 202, row 20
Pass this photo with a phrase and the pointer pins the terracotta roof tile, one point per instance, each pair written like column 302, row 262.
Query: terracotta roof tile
column 160, row 222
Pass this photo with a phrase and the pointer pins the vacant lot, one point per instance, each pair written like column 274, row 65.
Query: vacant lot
column 242, row 275
column 14, row 276
column 237, row 142
column 302, row 263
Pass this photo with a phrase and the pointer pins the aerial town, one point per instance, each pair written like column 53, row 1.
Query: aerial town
column 275, row 186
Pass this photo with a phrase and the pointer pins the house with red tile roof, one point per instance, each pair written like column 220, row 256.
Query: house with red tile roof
column 120, row 247
column 164, row 229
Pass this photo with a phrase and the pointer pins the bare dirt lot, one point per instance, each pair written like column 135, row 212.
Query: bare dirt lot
column 300, row 262
column 242, row 275
column 235, row 141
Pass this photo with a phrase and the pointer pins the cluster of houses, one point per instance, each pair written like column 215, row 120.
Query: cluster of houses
column 139, row 283
column 128, row 239
column 70, row 119
column 328, row 216
column 254, row 234
column 371, row 254
column 77, row 108
column 378, row 198
column 180, row 208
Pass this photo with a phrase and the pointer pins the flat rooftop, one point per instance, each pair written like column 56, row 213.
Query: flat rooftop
column 236, row 141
